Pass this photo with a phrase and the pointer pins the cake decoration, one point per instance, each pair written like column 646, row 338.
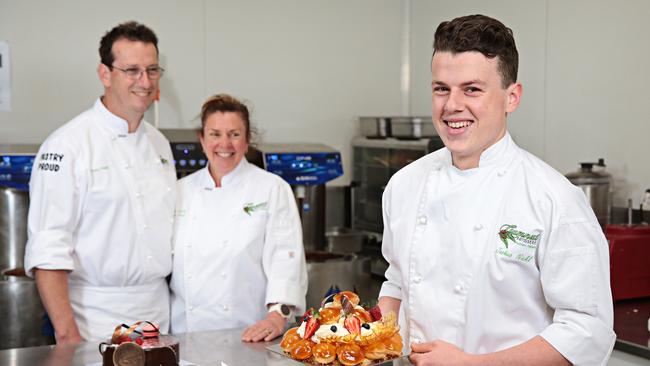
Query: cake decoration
column 342, row 332
column 140, row 344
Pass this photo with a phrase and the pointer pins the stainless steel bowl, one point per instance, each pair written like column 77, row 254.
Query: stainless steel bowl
column 411, row 128
column 375, row 127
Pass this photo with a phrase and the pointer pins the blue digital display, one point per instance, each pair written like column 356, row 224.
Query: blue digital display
column 15, row 171
column 305, row 168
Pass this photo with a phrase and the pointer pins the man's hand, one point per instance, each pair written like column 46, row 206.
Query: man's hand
column 438, row 353
column 73, row 338
column 266, row 329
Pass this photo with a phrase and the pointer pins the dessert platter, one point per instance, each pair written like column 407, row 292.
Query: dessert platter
column 343, row 333
column 139, row 344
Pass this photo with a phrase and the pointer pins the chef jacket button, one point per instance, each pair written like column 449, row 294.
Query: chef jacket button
column 416, row 340
column 223, row 275
column 501, row 173
column 189, row 245
column 225, row 241
column 422, row 220
column 225, row 308
column 169, row 189
column 417, row 279
column 139, row 195
column 149, row 257
column 478, row 227
column 189, row 275
column 145, row 226
column 458, row 288
column 191, row 308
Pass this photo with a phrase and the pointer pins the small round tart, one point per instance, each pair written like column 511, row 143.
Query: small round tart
column 324, row 352
column 302, row 350
column 354, row 298
column 330, row 315
column 290, row 338
column 393, row 345
column 350, row 354
column 375, row 351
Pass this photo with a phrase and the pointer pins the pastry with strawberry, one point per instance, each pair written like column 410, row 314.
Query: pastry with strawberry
column 342, row 332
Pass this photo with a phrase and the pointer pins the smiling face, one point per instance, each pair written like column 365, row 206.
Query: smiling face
column 124, row 97
column 224, row 142
column 469, row 104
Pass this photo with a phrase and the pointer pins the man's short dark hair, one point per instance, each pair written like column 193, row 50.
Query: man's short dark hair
column 481, row 34
column 133, row 31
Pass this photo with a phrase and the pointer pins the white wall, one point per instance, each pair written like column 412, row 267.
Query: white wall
column 309, row 68
column 597, row 90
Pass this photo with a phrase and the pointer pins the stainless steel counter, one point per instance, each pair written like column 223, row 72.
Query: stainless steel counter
column 202, row 348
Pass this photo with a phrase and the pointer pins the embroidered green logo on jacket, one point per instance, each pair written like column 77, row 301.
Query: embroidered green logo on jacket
column 253, row 207
column 525, row 243
column 508, row 232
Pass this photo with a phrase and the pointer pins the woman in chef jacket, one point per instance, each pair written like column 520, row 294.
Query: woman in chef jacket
column 238, row 252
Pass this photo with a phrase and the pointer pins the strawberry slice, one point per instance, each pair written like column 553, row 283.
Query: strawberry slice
column 352, row 324
column 311, row 327
column 308, row 314
column 375, row 312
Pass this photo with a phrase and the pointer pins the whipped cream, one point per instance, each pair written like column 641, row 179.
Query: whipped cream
column 365, row 332
column 301, row 329
column 325, row 330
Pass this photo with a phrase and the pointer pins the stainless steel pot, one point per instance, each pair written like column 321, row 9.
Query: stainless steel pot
column 345, row 271
column 14, row 205
column 596, row 185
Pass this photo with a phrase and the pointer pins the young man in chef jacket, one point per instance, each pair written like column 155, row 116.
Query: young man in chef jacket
column 494, row 257
column 101, row 202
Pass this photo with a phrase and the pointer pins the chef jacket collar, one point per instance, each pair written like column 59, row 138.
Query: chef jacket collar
column 496, row 154
column 112, row 124
column 229, row 180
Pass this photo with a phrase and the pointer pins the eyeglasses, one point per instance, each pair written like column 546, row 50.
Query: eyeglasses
column 135, row 73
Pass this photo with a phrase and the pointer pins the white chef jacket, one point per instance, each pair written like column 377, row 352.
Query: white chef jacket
column 230, row 262
column 101, row 206
column 458, row 281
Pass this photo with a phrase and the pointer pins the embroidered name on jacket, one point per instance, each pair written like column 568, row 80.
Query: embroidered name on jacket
column 525, row 244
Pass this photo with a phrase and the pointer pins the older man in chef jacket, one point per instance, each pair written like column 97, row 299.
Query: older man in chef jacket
column 494, row 257
column 102, row 199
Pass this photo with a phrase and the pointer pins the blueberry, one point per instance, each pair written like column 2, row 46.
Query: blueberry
column 333, row 328
column 366, row 325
